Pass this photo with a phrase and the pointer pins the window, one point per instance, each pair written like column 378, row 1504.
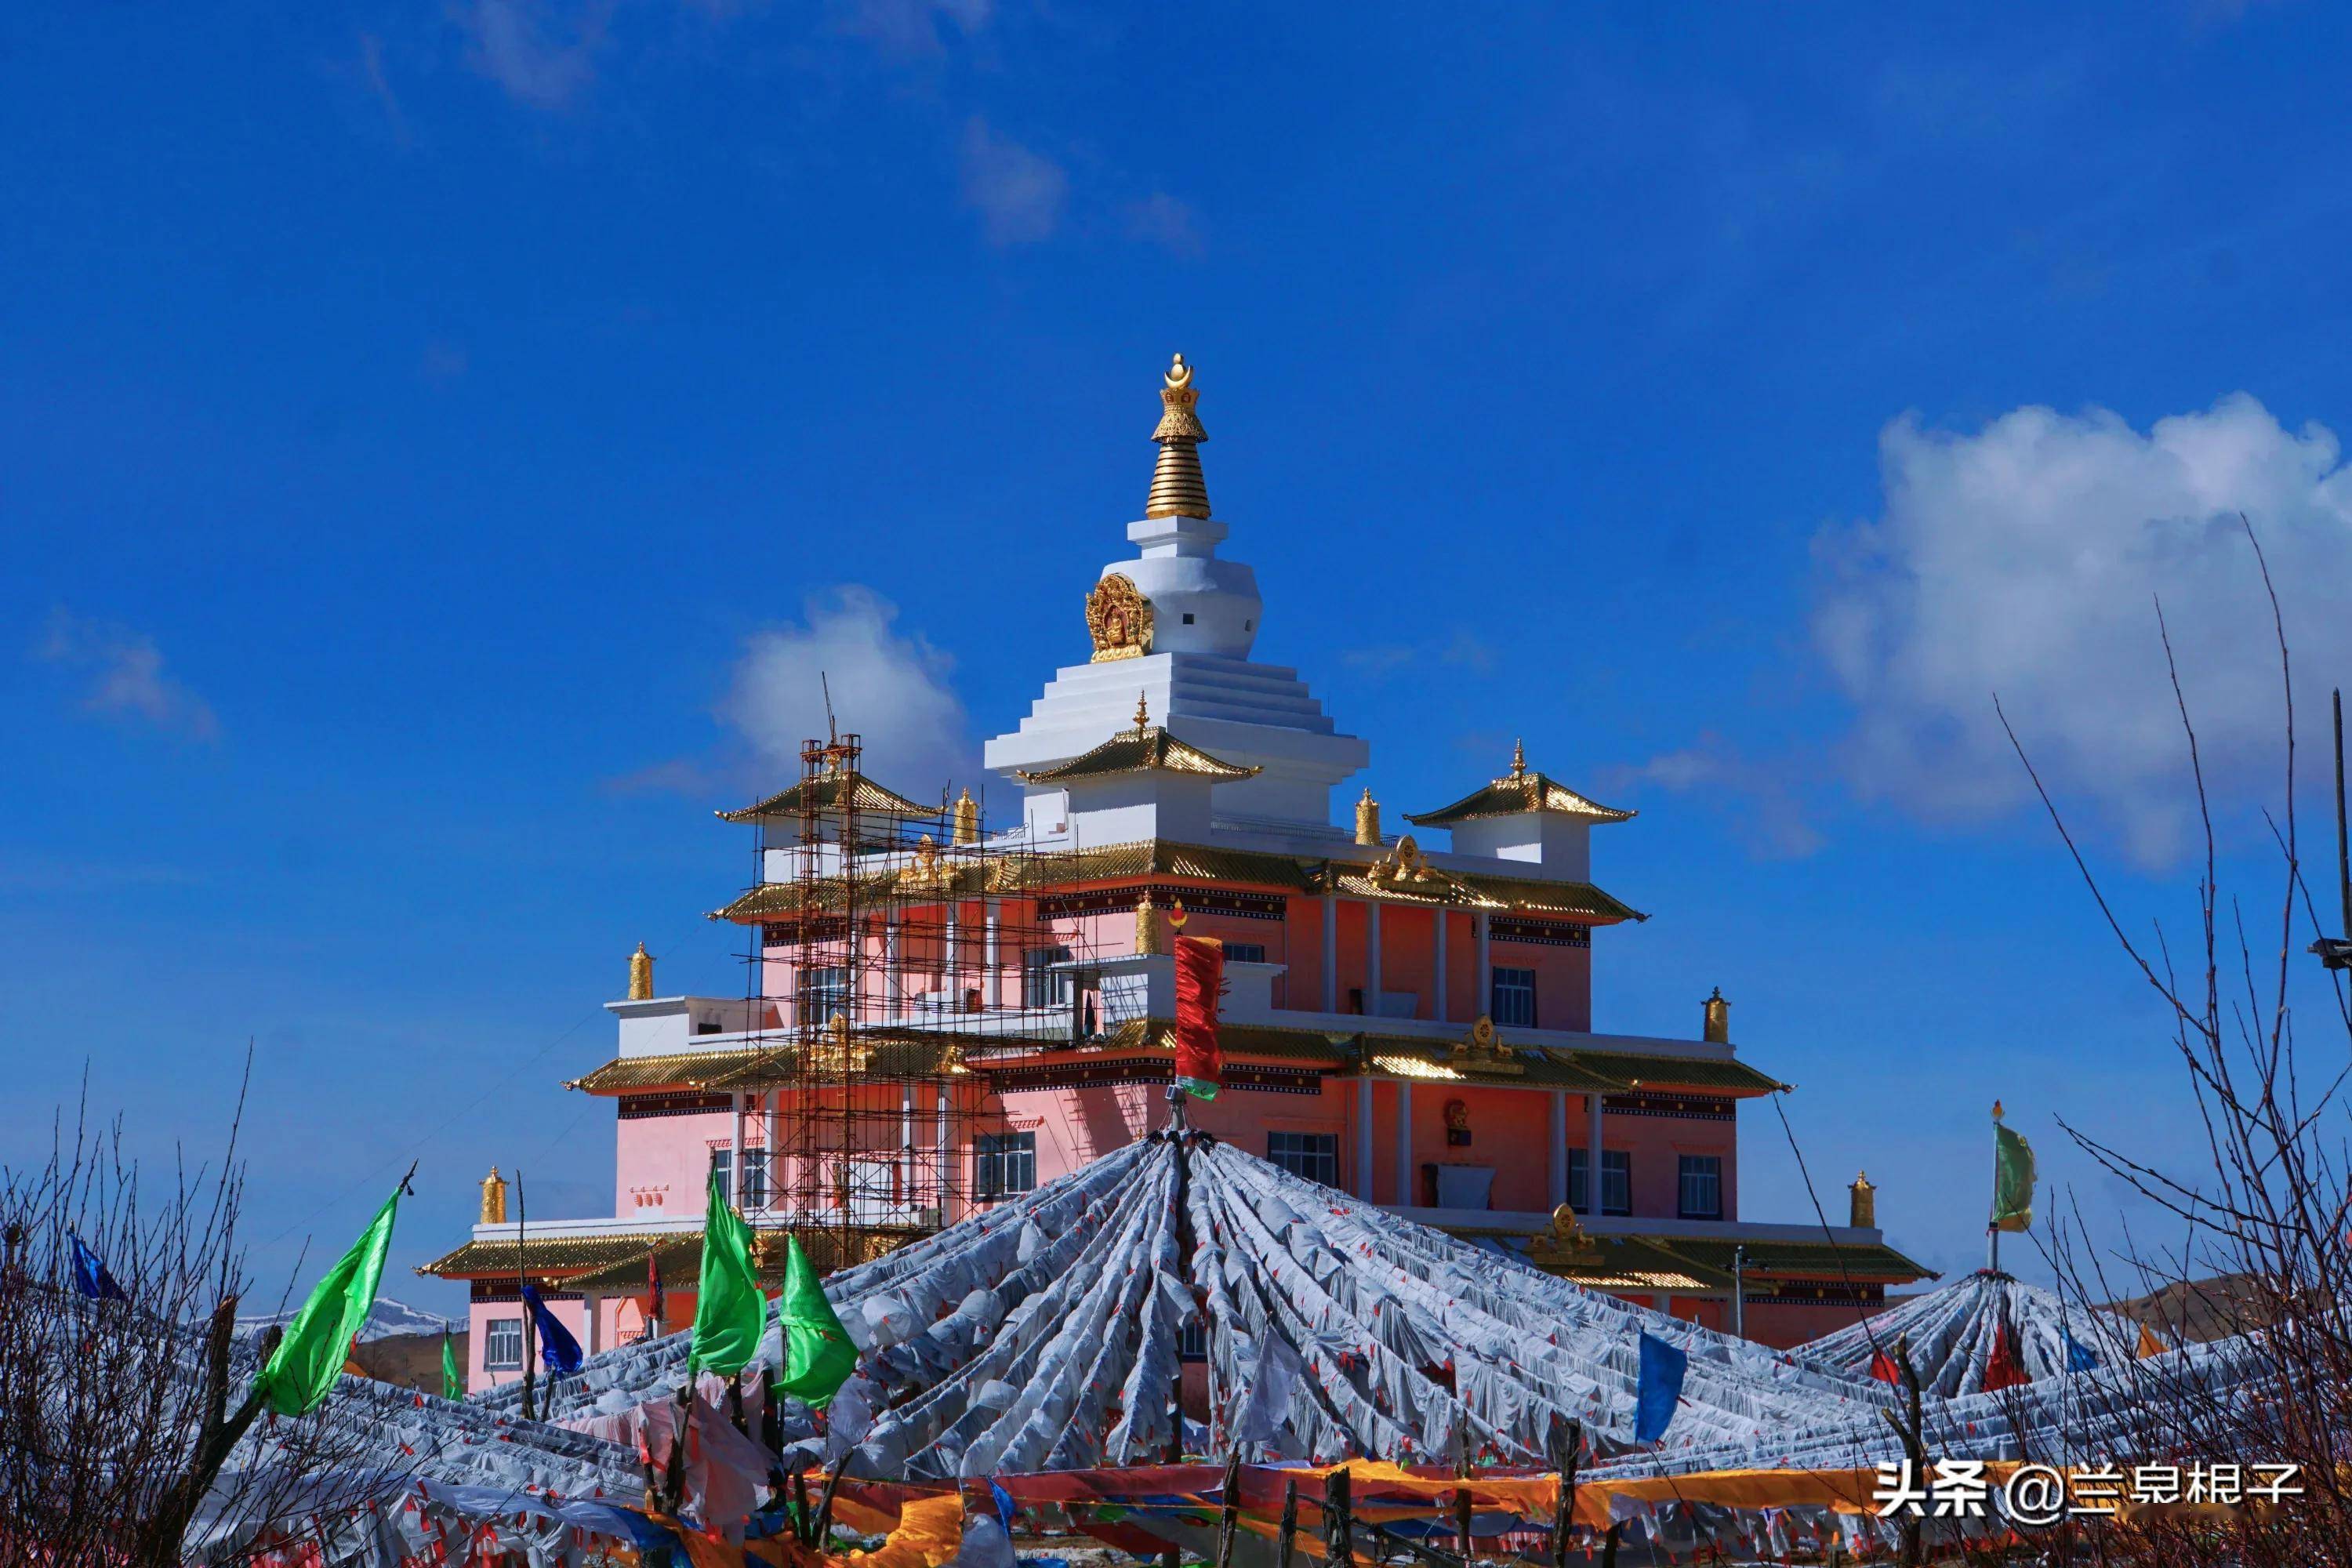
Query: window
column 1003, row 1164
column 1245, row 952
column 502, row 1345
column 823, row 993
column 1314, row 1156
column 1616, row 1182
column 754, row 1194
column 1188, row 617
column 1040, row 987
column 1193, row 1340
column 1514, row 1002
column 1701, row 1186
column 722, row 1165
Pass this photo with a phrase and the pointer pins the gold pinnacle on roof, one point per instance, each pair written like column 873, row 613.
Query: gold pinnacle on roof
column 1146, row 924
column 1142, row 713
column 1177, row 487
column 641, row 974
column 494, row 1198
column 967, row 819
column 1861, row 1208
column 1518, row 759
column 1368, row 819
column 1718, row 1019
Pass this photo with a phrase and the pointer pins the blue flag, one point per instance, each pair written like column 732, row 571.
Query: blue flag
column 1005, row 1507
column 90, row 1276
column 557, row 1349
column 2078, row 1357
column 1661, row 1389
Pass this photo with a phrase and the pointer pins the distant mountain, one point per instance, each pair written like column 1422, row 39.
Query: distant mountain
column 386, row 1320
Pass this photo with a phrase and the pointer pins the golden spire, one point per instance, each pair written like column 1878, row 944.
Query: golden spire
column 1718, row 1019
column 641, row 974
column 1142, row 713
column 1146, row 924
column 1177, row 487
column 1518, row 759
column 1368, row 819
column 1862, row 1203
column 967, row 819
column 494, row 1198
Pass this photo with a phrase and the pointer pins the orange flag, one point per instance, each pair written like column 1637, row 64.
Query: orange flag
column 2148, row 1343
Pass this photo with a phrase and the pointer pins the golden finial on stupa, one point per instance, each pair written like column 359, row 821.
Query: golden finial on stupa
column 1862, row 1203
column 967, row 819
column 1518, row 759
column 1146, row 924
column 1718, row 1019
column 1142, row 713
column 494, row 1198
column 1368, row 819
column 1177, row 487
column 641, row 974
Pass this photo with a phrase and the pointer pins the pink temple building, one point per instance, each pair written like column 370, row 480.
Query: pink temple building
column 943, row 1012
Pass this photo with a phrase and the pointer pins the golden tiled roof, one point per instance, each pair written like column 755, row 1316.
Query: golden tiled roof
column 1639, row 1071
column 542, row 1255
column 1873, row 1263
column 1478, row 891
column 865, row 796
column 1434, row 1061
column 1518, row 791
column 1157, row 858
column 1238, row 1039
column 974, row 875
column 678, row 1256
column 897, row 1054
column 1140, row 750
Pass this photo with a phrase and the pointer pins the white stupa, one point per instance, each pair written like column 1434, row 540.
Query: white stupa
column 1174, row 625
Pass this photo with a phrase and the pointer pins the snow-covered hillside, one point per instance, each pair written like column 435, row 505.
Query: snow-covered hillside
column 386, row 1318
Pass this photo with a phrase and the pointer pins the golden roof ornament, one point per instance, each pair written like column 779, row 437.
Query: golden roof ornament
column 1146, row 924
column 1177, row 487
column 1368, row 819
column 1565, row 1242
column 1718, row 1019
column 967, row 819
column 1118, row 619
column 641, row 974
column 1862, row 1203
column 1142, row 713
column 924, row 870
column 1518, row 759
column 1482, row 1050
column 494, row 1198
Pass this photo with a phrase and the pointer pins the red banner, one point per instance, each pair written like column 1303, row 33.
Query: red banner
column 1199, row 982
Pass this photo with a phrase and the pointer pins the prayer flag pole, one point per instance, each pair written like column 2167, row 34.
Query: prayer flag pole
column 523, row 1219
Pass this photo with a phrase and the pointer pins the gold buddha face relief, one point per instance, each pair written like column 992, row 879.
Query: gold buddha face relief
column 1118, row 619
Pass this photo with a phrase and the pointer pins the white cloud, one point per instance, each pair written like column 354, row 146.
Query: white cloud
column 2027, row 559
column 1760, row 798
column 911, row 27
column 891, row 689
column 122, row 676
column 1018, row 193
column 541, row 51
column 1165, row 221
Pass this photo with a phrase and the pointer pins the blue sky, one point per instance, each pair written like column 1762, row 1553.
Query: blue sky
column 436, row 440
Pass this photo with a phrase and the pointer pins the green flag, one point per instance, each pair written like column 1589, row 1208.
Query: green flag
column 818, row 1356
column 2012, row 1177
column 310, row 1357
column 728, row 1311
column 453, row 1382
